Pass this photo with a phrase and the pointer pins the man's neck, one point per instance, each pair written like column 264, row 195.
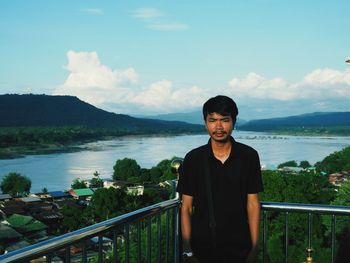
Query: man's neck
column 221, row 150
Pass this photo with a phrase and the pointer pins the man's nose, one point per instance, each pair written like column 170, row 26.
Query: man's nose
column 218, row 124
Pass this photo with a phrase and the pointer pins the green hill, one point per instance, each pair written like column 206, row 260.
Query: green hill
column 55, row 111
column 326, row 120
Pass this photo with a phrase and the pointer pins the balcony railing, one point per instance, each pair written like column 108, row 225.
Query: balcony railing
column 151, row 234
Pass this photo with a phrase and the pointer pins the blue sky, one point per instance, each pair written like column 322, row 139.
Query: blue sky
column 274, row 58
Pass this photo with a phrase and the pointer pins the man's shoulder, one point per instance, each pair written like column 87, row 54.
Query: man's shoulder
column 199, row 151
column 244, row 148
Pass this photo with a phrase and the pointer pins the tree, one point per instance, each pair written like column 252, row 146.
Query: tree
column 145, row 175
column 78, row 184
column 126, row 169
column 288, row 164
column 16, row 184
column 335, row 162
column 304, row 164
column 44, row 190
column 73, row 218
column 96, row 182
column 165, row 167
column 107, row 203
column 155, row 174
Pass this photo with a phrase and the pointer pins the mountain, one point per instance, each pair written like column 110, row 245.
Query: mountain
column 316, row 119
column 45, row 110
column 194, row 117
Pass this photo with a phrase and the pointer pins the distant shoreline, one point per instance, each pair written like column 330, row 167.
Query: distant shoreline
column 20, row 151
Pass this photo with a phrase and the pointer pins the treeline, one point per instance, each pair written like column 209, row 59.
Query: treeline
column 21, row 140
column 313, row 131
column 40, row 136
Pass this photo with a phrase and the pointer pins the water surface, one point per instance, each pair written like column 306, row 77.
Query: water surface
column 57, row 170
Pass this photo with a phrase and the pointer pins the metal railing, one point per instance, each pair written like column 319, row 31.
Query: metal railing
column 153, row 226
column 310, row 210
column 156, row 229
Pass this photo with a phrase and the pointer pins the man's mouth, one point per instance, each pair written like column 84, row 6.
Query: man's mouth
column 219, row 133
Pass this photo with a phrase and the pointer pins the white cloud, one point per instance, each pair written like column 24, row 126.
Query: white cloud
column 117, row 90
column 162, row 96
column 93, row 82
column 319, row 84
column 93, row 11
column 147, row 13
column 156, row 20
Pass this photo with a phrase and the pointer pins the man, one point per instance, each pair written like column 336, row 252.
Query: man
column 230, row 232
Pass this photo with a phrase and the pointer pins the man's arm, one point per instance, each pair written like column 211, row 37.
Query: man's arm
column 253, row 209
column 186, row 213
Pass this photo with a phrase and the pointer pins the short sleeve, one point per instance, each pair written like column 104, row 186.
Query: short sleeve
column 254, row 182
column 186, row 181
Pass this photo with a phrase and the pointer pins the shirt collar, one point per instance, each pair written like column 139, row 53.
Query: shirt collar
column 233, row 148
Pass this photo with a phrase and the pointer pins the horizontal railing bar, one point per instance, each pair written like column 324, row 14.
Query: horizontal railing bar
column 56, row 243
column 308, row 208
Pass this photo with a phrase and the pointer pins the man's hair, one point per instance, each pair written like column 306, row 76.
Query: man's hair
column 222, row 105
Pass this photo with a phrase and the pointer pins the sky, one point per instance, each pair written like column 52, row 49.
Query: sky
column 275, row 58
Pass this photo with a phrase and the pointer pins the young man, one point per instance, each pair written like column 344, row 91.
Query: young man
column 234, row 176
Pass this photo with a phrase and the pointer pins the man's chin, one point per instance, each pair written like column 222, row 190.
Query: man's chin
column 223, row 139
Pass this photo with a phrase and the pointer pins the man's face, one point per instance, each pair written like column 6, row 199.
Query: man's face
column 219, row 127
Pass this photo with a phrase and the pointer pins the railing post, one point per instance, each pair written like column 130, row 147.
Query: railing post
column 115, row 246
column 84, row 252
column 139, row 241
column 287, row 237
column 127, row 243
column 264, row 235
column 159, row 235
column 149, row 239
column 100, row 253
column 333, row 238
column 309, row 249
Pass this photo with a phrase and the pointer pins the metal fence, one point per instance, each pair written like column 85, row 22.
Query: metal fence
column 310, row 210
column 151, row 234
column 146, row 235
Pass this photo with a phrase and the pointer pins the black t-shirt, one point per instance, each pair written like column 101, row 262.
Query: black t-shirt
column 231, row 182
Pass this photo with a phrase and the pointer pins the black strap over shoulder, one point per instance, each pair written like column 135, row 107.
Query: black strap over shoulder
column 212, row 223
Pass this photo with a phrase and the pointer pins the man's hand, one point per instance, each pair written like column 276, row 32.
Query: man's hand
column 253, row 255
column 191, row 259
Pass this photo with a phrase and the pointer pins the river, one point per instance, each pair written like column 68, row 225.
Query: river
column 57, row 170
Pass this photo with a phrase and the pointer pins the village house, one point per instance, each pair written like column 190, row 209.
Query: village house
column 338, row 178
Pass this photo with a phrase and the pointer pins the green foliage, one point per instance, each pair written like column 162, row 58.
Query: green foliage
column 165, row 167
column 155, row 174
column 296, row 188
column 107, row 203
column 96, row 182
column 78, row 184
column 157, row 227
column 145, row 175
column 74, row 218
column 16, row 185
column 127, row 170
column 335, row 162
column 304, row 164
column 288, row 164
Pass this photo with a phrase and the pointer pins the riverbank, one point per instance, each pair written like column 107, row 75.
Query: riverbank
column 310, row 131
column 17, row 143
